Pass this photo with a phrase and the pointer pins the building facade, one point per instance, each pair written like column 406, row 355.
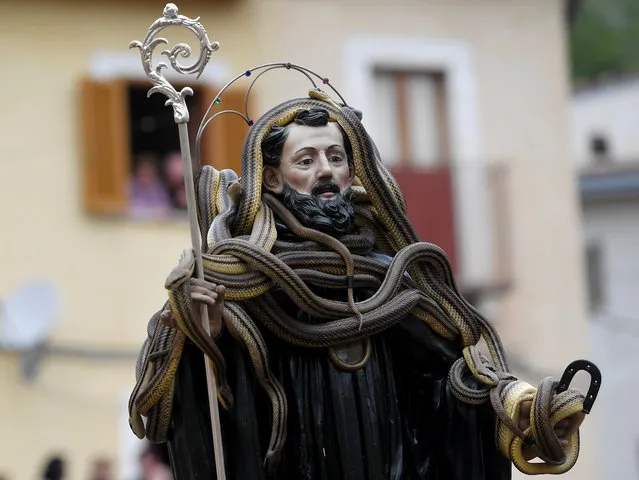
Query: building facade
column 491, row 77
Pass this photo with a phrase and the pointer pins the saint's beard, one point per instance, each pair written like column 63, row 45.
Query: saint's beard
column 334, row 216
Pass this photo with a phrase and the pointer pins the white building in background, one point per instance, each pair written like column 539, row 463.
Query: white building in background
column 604, row 118
column 606, row 150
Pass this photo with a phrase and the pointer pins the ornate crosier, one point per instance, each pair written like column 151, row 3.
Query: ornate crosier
column 175, row 99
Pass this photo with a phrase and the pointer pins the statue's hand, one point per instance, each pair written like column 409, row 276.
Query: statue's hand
column 563, row 428
column 206, row 293
column 211, row 295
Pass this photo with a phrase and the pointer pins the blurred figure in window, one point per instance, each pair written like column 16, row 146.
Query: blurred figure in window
column 155, row 464
column 101, row 470
column 174, row 173
column 54, row 469
column 148, row 196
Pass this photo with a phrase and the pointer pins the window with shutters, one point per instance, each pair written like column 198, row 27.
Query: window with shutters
column 412, row 106
column 131, row 150
column 413, row 140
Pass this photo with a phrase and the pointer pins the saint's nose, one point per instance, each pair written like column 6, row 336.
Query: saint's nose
column 325, row 170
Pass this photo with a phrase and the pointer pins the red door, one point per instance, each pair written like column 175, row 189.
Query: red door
column 429, row 198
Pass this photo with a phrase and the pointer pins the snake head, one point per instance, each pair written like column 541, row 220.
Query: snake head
column 319, row 94
column 271, row 461
column 225, row 396
column 234, row 191
column 136, row 423
column 182, row 272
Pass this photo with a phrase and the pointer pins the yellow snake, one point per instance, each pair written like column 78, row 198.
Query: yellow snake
column 244, row 255
column 152, row 395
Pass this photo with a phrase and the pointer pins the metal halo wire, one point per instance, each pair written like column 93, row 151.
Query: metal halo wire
column 265, row 68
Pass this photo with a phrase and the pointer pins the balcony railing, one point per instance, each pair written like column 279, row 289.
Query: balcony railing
column 616, row 180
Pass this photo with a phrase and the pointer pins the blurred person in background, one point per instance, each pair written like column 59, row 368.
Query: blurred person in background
column 101, row 469
column 148, row 194
column 155, row 464
column 175, row 180
column 54, row 469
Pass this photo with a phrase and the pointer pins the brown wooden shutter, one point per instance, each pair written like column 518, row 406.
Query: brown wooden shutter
column 223, row 139
column 105, row 146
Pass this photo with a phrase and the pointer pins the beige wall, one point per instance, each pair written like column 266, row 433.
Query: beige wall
column 111, row 276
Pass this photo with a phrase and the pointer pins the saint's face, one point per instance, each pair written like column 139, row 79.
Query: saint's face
column 311, row 155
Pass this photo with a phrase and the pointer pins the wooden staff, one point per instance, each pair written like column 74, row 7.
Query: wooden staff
column 181, row 116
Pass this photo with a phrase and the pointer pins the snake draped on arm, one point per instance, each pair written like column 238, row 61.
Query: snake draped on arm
column 243, row 253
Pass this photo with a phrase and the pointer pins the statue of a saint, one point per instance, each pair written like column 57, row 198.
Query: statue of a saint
column 327, row 371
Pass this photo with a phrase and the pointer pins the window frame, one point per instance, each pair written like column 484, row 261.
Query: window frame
column 106, row 145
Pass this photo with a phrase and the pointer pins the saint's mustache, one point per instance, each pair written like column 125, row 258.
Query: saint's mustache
column 324, row 187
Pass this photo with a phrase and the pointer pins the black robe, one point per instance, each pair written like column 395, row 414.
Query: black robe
column 395, row 419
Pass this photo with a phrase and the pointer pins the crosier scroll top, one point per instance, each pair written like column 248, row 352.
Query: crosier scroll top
column 171, row 18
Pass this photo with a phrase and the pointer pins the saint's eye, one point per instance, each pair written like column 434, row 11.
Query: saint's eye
column 306, row 161
column 336, row 158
